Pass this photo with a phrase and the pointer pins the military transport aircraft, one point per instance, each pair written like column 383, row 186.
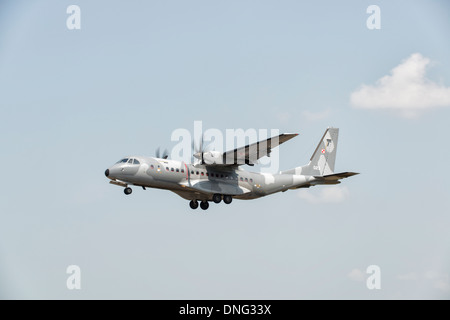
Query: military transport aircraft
column 218, row 176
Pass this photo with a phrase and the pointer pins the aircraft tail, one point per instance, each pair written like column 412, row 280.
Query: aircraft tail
column 323, row 159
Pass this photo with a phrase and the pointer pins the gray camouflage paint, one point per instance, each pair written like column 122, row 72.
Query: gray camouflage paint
column 200, row 182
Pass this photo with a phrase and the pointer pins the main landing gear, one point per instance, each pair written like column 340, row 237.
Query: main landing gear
column 227, row 199
column 216, row 198
column 204, row 205
column 194, row 204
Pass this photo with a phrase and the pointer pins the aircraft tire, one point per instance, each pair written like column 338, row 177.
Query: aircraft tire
column 204, row 205
column 193, row 204
column 227, row 199
column 216, row 198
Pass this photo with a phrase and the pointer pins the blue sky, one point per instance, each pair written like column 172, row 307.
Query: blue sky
column 74, row 102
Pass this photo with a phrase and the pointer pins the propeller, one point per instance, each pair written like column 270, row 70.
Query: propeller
column 165, row 153
column 198, row 151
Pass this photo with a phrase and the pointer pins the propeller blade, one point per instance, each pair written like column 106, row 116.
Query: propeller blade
column 165, row 154
column 198, row 150
column 195, row 152
column 157, row 153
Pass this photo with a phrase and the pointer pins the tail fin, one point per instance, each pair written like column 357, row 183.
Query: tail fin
column 323, row 159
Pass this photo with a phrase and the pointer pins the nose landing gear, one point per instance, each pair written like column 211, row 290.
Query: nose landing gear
column 127, row 190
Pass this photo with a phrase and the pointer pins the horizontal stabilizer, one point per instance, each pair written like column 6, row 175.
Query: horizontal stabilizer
column 336, row 176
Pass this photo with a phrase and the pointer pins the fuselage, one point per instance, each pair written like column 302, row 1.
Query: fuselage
column 219, row 177
column 200, row 182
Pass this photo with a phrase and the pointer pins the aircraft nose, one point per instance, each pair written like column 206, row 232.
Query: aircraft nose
column 107, row 172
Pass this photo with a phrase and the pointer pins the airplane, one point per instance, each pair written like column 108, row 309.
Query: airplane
column 219, row 177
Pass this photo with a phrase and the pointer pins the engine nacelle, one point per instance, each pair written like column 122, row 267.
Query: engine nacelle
column 213, row 157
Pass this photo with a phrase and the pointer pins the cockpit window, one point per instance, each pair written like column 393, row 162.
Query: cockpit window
column 129, row 160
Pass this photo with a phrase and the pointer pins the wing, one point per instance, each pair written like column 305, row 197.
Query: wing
column 252, row 152
column 203, row 190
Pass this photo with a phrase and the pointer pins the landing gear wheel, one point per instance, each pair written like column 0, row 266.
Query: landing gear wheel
column 127, row 191
column 193, row 204
column 204, row 205
column 227, row 199
column 217, row 198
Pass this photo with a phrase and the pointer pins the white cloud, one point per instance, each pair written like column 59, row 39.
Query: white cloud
column 315, row 116
column 405, row 90
column 357, row 275
column 328, row 194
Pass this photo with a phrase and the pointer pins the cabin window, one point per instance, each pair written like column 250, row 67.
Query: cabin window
column 242, row 179
column 251, row 180
column 246, row 180
column 178, row 170
column 152, row 166
column 197, row 173
column 202, row 173
column 182, row 170
column 171, row 169
column 167, row 168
